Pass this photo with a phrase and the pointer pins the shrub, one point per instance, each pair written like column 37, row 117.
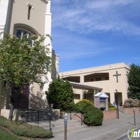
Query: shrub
column 23, row 129
column 60, row 93
column 131, row 103
column 71, row 107
column 81, row 105
column 93, row 116
column 111, row 106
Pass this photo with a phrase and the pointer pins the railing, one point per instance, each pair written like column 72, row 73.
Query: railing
column 32, row 115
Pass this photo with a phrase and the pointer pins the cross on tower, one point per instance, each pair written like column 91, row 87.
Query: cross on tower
column 117, row 75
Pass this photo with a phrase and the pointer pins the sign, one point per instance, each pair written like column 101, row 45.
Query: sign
column 133, row 133
column 65, row 119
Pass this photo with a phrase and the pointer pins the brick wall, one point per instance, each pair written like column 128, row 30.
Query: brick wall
column 77, row 116
column 110, row 114
column 130, row 110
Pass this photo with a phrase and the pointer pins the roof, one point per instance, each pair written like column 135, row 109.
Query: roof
column 101, row 94
column 83, row 86
column 97, row 69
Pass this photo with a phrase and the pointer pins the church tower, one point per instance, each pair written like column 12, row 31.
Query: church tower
column 20, row 17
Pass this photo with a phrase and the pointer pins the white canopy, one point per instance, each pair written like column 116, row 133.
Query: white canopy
column 101, row 95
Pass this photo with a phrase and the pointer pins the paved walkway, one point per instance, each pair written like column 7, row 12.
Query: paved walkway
column 110, row 130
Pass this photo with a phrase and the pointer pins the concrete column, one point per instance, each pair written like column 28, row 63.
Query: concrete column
column 106, row 104
column 96, row 102
column 3, row 15
column 48, row 23
column 48, row 19
column 81, row 95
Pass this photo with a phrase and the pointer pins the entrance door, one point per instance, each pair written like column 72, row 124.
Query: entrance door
column 118, row 98
column 20, row 97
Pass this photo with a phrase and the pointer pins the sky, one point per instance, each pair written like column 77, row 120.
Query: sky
column 90, row 33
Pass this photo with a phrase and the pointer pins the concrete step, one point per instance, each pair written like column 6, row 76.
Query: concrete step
column 70, row 131
column 58, row 126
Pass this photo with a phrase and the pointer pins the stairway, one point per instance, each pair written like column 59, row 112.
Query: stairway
column 73, row 127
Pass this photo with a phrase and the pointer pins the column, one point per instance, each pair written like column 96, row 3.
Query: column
column 3, row 15
column 82, row 79
column 48, row 18
column 106, row 104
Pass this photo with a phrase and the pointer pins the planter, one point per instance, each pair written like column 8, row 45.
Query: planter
column 130, row 110
column 110, row 114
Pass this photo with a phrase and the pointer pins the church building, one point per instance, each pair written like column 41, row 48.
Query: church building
column 27, row 17
column 111, row 79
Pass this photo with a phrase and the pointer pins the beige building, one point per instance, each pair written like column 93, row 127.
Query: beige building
column 27, row 17
column 111, row 79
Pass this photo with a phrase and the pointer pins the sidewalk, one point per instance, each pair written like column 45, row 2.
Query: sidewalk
column 110, row 130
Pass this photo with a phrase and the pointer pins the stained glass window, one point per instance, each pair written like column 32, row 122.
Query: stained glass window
column 21, row 32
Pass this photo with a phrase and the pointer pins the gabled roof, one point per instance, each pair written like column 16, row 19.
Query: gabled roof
column 101, row 94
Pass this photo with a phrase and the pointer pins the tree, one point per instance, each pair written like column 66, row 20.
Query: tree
column 23, row 61
column 134, row 82
column 60, row 94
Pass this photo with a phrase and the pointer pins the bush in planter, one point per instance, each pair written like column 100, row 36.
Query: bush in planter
column 131, row 103
column 93, row 116
column 111, row 106
column 81, row 105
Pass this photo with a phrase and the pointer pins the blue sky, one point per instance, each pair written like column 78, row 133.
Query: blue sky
column 88, row 33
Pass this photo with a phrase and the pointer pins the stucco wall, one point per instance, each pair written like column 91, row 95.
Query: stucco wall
column 37, row 15
column 109, row 86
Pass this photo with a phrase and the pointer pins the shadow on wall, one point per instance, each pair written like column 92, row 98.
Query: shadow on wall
column 4, row 96
column 54, row 66
column 36, row 102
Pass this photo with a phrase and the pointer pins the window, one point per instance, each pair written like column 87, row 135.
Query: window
column 29, row 12
column 102, row 99
column 106, row 78
column 97, row 79
column 21, row 32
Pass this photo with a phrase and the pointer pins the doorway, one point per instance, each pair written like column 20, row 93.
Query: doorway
column 118, row 98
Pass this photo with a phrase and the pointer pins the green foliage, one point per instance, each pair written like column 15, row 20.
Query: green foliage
column 22, row 63
column 131, row 103
column 6, row 136
column 134, row 82
column 93, row 116
column 60, row 93
column 23, row 129
column 111, row 106
column 81, row 105
column 71, row 107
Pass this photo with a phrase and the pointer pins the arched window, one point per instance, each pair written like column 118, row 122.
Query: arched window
column 23, row 29
column 20, row 32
